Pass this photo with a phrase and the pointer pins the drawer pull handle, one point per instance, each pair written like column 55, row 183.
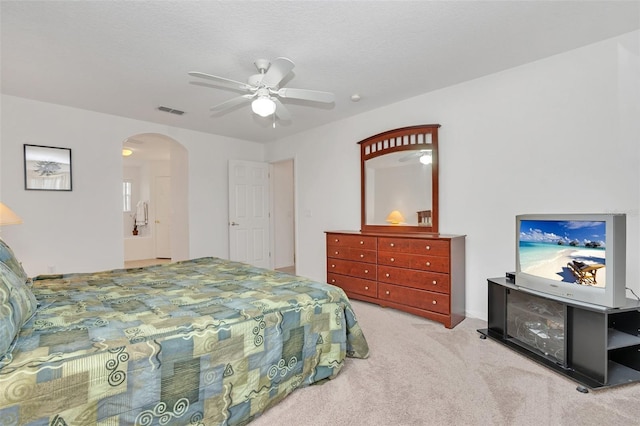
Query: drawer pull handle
column 434, row 282
column 337, row 252
column 361, row 242
column 428, row 247
column 386, row 275
column 428, row 263
column 333, row 266
column 333, row 281
column 366, row 287
column 366, row 271
column 387, row 292
column 392, row 245
column 336, row 240
column 392, row 259
column 434, row 302
column 362, row 255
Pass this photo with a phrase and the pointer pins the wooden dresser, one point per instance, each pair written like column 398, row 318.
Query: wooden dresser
column 423, row 274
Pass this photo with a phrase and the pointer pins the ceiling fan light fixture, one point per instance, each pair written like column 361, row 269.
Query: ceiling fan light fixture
column 263, row 90
column 263, row 106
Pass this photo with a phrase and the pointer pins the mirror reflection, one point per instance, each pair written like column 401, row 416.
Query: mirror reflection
column 399, row 172
column 398, row 188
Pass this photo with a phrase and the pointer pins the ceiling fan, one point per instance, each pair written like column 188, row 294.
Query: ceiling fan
column 263, row 89
column 424, row 155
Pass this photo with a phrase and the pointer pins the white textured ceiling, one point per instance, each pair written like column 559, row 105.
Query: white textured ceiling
column 127, row 58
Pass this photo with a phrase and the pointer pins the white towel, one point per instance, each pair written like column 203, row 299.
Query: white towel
column 142, row 213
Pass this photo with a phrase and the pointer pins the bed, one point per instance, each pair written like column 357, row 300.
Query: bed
column 199, row 342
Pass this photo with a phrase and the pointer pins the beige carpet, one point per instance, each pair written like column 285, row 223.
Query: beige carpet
column 420, row 373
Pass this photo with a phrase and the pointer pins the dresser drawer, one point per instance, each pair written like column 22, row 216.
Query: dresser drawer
column 420, row 273
column 431, row 281
column 353, row 285
column 414, row 261
column 349, row 253
column 351, row 268
column 414, row 246
column 344, row 240
column 421, row 299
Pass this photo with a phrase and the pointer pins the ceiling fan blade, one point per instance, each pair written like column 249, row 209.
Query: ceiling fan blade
column 217, row 86
column 408, row 157
column 281, row 111
column 278, row 70
column 225, row 81
column 232, row 103
column 307, row 95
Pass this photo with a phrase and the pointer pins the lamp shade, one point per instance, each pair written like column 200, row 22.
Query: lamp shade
column 8, row 217
column 395, row 217
column 263, row 106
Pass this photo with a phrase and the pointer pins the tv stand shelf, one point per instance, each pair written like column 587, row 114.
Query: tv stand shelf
column 619, row 339
column 595, row 346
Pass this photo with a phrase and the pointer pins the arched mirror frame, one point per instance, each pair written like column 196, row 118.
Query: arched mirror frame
column 413, row 138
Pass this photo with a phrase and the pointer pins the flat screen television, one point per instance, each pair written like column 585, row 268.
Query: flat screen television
column 580, row 257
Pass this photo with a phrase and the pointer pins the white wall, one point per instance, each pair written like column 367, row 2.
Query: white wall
column 530, row 139
column 81, row 230
column 179, row 173
column 556, row 135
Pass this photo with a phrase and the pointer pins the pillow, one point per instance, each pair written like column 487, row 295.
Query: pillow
column 7, row 325
column 9, row 259
column 17, row 306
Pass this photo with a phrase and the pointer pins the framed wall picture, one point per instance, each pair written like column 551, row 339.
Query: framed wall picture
column 47, row 168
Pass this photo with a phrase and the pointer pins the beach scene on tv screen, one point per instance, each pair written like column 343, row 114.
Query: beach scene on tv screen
column 561, row 250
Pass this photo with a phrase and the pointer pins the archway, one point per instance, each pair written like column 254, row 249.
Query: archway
column 155, row 200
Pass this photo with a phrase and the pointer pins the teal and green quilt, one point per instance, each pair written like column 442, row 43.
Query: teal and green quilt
column 200, row 342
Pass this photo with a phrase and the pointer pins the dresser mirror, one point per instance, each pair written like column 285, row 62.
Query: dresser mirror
column 399, row 180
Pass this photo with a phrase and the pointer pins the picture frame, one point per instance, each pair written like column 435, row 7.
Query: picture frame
column 47, row 168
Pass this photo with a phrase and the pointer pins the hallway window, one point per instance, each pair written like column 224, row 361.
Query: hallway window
column 126, row 196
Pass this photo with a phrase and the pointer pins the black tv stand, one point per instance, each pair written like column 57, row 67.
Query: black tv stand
column 595, row 346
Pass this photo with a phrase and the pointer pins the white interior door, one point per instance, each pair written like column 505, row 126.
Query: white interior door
column 163, row 217
column 249, row 239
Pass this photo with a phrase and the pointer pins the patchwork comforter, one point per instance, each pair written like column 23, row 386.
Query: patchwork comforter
column 200, row 342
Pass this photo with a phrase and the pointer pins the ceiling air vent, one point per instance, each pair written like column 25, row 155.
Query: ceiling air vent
column 170, row 110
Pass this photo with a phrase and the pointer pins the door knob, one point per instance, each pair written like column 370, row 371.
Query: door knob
column 234, row 224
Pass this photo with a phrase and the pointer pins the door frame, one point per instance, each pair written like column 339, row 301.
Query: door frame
column 272, row 220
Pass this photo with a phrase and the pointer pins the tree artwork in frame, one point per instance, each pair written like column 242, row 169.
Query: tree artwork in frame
column 47, row 168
